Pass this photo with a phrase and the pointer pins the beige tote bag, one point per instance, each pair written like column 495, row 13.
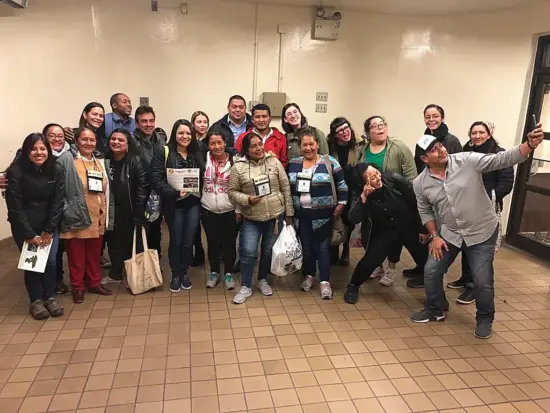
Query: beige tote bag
column 143, row 270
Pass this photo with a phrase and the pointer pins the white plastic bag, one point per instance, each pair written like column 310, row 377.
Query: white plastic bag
column 287, row 253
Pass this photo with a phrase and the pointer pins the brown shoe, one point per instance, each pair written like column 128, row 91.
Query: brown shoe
column 38, row 311
column 78, row 296
column 100, row 290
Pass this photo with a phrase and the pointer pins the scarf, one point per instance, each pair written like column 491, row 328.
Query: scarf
column 440, row 133
column 489, row 146
column 57, row 154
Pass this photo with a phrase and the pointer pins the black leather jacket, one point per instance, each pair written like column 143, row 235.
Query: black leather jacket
column 133, row 177
column 399, row 190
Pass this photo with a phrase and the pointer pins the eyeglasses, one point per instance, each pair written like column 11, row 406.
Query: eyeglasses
column 377, row 126
column 346, row 128
column 53, row 136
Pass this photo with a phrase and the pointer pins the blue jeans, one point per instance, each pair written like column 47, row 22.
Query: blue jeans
column 182, row 225
column 480, row 258
column 42, row 286
column 249, row 239
column 316, row 249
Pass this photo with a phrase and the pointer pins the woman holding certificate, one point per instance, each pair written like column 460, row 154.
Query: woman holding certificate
column 34, row 198
column 259, row 187
column 87, row 214
column 177, row 178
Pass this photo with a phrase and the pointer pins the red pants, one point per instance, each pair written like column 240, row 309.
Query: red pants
column 83, row 256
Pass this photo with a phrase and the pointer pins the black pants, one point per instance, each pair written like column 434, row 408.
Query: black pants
column 198, row 250
column 394, row 255
column 380, row 244
column 120, row 244
column 154, row 235
column 221, row 236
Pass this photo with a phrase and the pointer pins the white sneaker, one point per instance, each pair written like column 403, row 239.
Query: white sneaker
column 387, row 278
column 307, row 283
column 326, row 290
column 108, row 280
column 379, row 272
column 264, row 287
column 242, row 295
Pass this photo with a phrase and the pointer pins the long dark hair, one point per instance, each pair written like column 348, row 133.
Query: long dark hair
column 286, row 126
column 132, row 147
column 26, row 149
column 245, row 145
column 335, row 124
column 87, row 109
column 173, row 143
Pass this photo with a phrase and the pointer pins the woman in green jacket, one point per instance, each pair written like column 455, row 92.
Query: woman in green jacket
column 389, row 155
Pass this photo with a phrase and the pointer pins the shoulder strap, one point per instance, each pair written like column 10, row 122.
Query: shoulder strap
column 329, row 169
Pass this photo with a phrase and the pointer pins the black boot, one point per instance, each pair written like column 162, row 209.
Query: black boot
column 344, row 258
column 352, row 294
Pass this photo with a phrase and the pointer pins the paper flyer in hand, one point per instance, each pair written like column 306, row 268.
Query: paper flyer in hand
column 187, row 180
column 34, row 258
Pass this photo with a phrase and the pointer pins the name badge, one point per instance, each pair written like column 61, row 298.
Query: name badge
column 303, row 182
column 261, row 185
column 95, row 181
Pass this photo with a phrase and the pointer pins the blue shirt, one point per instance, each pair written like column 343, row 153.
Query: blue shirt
column 237, row 130
column 113, row 121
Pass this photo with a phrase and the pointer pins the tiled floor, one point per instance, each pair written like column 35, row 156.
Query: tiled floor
column 195, row 351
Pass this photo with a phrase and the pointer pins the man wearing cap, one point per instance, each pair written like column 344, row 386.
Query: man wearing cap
column 451, row 189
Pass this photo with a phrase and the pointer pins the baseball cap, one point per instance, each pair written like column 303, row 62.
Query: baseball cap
column 425, row 143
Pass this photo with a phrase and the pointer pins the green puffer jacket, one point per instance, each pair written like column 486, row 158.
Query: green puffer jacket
column 293, row 143
column 399, row 158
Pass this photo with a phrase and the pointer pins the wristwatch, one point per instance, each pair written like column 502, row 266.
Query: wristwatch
column 433, row 235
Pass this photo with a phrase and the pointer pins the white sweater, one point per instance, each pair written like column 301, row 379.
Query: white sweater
column 214, row 193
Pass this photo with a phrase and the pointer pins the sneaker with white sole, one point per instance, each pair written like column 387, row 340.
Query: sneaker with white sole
column 326, row 290
column 307, row 283
column 378, row 272
column 387, row 278
column 242, row 295
column 229, row 281
column 213, row 280
column 264, row 287
column 108, row 280
column 105, row 263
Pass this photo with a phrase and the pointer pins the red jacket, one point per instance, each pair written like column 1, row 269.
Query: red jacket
column 275, row 143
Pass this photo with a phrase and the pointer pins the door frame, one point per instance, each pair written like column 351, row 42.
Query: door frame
column 541, row 76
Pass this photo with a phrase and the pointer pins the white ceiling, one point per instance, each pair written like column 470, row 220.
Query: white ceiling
column 411, row 7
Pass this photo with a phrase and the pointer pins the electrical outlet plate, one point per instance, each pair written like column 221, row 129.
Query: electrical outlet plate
column 321, row 107
column 322, row 97
column 143, row 101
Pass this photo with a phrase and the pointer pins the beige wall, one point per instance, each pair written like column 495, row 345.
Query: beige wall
column 58, row 55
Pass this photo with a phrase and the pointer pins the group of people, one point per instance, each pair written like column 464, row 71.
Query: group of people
column 85, row 189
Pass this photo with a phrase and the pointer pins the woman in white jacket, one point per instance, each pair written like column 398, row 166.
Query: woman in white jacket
column 218, row 215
